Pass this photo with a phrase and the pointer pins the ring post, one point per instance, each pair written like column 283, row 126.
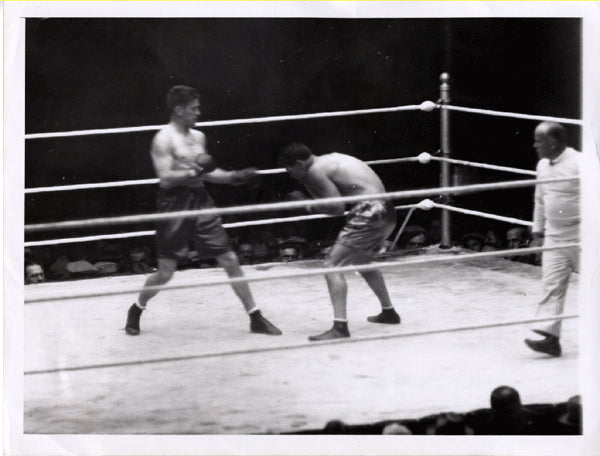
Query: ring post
column 445, row 150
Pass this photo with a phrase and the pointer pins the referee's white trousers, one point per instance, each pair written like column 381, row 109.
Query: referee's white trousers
column 557, row 266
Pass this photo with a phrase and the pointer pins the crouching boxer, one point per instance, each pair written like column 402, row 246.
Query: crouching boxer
column 368, row 224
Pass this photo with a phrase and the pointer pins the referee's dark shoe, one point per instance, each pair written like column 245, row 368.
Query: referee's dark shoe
column 550, row 345
column 132, row 325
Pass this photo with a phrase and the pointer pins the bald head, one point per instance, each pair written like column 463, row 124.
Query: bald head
column 550, row 140
column 554, row 130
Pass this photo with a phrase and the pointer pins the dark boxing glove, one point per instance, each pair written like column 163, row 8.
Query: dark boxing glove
column 204, row 164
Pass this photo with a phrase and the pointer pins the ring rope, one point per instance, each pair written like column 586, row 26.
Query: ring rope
column 125, row 183
column 516, row 115
column 296, row 346
column 411, row 208
column 501, row 218
column 214, row 123
column 424, row 106
column 275, row 171
column 485, row 166
column 59, row 188
column 291, row 204
column 295, row 219
column 98, row 237
column 225, row 225
column 119, row 290
column 62, row 188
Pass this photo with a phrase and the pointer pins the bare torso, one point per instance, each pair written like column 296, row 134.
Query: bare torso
column 174, row 150
column 350, row 176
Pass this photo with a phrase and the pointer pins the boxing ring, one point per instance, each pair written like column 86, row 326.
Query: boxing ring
column 196, row 369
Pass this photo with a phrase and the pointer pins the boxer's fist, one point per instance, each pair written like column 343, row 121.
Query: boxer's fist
column 246, row 176
column 204, row 164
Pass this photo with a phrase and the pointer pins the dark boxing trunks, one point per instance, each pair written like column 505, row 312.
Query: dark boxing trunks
column 174, row 236
column 368, row 224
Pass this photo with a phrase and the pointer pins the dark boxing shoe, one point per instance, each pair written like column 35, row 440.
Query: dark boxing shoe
column 387, row 316
column 260, row 325
column 550, row 345
column 338, row 330
column 132, row 325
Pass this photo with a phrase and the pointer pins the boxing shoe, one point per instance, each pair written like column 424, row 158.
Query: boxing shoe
column 387, row 316
column 132, row 325
column 337, row 331
column 549, row 345
column 260, row 325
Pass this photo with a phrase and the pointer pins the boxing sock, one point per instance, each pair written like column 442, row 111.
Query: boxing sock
column 340, row 324
column 254, row 314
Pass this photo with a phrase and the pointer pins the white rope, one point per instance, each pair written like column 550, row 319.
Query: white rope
column 386, row 161
column 42, row 296
column 214, row 123
column 516, row 115
column 97, row 131
column 501, row 218
column 60, row 188
column 102, row 237
column 290, row 205
column 296, row 346
column 485, row 166
column 426, row 106
column 99, row 237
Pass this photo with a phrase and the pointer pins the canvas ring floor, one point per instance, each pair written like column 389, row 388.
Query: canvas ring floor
column 227, row 384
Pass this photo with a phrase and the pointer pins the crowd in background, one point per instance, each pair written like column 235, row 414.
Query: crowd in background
column 276, row 243
column 506, row 415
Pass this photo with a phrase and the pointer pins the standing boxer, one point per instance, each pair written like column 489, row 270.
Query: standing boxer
column 182, row 164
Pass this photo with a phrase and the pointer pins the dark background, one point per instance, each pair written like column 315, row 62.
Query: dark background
column 103, row 73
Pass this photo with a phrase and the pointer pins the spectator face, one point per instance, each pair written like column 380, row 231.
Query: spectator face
column 137, row 255
column 416, row 242
column 474, row 244
column 246, row 250
column 34, row 274
column 288, row 255
column 513, row 239
column 492, row 239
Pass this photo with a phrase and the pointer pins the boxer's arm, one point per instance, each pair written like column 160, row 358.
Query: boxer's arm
column 238, row 177
column 219, row 176
column 320, row 186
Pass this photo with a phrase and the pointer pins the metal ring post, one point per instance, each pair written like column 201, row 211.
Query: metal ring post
column 445, row 150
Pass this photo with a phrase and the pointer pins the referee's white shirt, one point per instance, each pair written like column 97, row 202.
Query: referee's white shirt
column 557, row 210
